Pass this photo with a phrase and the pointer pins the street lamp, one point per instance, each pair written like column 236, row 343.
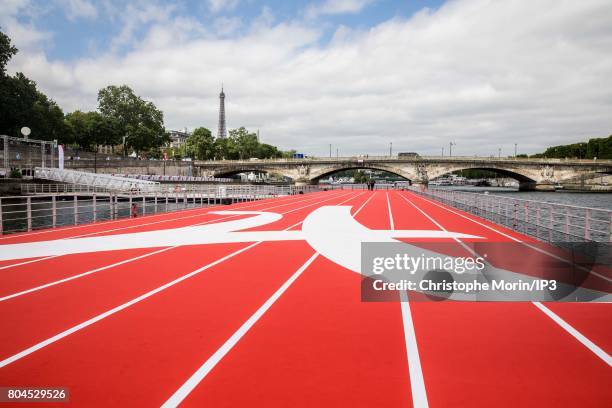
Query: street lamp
column 450, row 148
column 390, row 149
column 515, row 145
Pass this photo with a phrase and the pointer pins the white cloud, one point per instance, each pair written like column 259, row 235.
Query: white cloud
column 79, row 9
column 336, row 7
column 483, row 74
column 219, row 5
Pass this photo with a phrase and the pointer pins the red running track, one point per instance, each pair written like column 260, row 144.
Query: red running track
column 275, row 324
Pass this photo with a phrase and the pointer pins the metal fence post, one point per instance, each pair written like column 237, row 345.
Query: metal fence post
column 95, row 209
column 551, row 224
column 587, row 224
column 29, row 212
column 144, row 205
column 76, row 209
column 1, row 223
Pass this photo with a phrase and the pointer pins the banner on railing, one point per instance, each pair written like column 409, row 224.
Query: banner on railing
column 60, row 157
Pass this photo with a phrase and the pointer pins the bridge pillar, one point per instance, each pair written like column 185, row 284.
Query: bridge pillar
column 535, row 186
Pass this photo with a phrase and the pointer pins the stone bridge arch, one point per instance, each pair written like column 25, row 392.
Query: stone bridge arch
column 519, row 175
column 232, row 171
column 322, row 172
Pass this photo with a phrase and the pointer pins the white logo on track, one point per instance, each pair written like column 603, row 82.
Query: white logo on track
column 330, row 230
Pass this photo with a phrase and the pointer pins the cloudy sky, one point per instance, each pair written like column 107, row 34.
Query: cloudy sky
column 358, row 74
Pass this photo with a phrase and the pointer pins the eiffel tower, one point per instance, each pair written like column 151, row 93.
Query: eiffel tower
column 222, row 131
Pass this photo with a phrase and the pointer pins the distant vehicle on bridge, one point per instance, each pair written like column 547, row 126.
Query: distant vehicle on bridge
column 298, row 155
column 408, row 154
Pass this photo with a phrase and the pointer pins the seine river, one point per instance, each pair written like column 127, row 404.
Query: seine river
column 593, row 200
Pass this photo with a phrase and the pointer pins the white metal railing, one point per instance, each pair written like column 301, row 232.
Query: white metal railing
column 79, row 204
column 93, row 179
column 549, row 222
column 34, row 188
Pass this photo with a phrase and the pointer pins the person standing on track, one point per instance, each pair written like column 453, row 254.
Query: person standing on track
column 134, row 210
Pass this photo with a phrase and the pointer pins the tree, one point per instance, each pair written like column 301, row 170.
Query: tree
column 139, row 120
column 22, row 104
column 90, row 129
column 7, row 50
column 221, row 149
column 200, row 145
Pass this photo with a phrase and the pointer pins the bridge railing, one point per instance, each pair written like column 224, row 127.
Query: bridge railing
column 548, row 222
column 409, row 158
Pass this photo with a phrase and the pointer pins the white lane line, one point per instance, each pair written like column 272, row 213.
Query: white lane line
column 188, row 386
column 566, row 326
column 50, row 230
column 599, row 352
column 125, row 305
column 415, row 371
column 417, row 381
column 119, row 308
column 540, row 250
column 185, row 389
column 391, row 223
column 29, row 262
column 362, row 205
column 157, row 251
column 57, row 282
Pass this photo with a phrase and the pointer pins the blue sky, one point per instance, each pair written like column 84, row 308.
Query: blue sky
column 84, row 35
column 358, row 74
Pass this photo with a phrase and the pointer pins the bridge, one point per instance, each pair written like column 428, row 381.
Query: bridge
column 532, row 174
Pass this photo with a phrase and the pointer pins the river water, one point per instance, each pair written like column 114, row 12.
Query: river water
column 592, row 200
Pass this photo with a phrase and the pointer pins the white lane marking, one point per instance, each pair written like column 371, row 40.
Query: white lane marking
column 417, row 381
column 542, row 251
column 599, row 352
column 363, row 205
column 566, row 326
column 80, row 275
column 119, row 308
column 29, row 262
column 125, row 305
column 47, row 231
column 415, row 371
column 99, row 269
column 391, row 223
column 184, row 390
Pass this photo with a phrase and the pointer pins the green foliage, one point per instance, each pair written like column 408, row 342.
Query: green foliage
column 89, row 129
column 239, row 145
column 288, row 154
column 139, row 120
column 15, row 173
column 200, row 145
column 597, row 147
column 22, row 104
column 7, row 50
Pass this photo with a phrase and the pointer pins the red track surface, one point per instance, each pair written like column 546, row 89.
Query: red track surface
column 273, row 324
